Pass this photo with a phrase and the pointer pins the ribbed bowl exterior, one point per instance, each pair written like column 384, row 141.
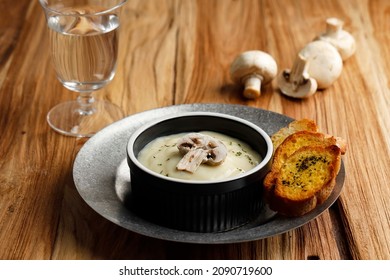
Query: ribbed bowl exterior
column 195, row 211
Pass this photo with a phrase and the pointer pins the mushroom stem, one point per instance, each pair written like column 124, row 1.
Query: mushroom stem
column 192, row 160
column 333, row 26
column 298, row 73
column 297, row 82
column 252, row 86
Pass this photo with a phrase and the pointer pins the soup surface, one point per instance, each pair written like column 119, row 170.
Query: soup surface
column 162, row 155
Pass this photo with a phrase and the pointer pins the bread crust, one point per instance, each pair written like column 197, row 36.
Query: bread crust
column 295, row 126
column 303, row 125
column 290, row 190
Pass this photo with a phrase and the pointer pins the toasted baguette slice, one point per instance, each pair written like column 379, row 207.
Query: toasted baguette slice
column 296, row 141
column 305, row 180
column 297, row 125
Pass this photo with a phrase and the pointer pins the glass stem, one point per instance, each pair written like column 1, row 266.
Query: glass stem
column 86, row 103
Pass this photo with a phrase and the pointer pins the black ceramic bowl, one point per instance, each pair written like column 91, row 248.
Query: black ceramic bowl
column 198, row 206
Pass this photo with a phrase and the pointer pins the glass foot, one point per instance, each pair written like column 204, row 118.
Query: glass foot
column 68, row 119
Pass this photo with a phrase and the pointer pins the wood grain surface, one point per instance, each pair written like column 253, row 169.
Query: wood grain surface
column 179, row 52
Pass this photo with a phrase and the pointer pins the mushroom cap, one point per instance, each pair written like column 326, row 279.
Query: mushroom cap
column 304, row 90
column 325, row 62
column 342, row 40
column 253, row 62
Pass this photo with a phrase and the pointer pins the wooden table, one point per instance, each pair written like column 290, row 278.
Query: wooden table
column 179, row 52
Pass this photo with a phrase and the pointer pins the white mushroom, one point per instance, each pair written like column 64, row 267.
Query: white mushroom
column 342, row 40
column 297, row 82
column 325, row 62
column 198, row 148
column 253, row 68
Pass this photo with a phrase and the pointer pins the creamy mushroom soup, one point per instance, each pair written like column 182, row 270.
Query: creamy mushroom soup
column 162, row 156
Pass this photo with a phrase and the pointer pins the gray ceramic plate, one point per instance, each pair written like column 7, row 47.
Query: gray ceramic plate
column 102, row 177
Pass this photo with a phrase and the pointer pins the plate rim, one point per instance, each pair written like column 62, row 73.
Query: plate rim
column 277, row 225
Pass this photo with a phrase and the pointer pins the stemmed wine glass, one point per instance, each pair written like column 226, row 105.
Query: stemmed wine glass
column 84, row 47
